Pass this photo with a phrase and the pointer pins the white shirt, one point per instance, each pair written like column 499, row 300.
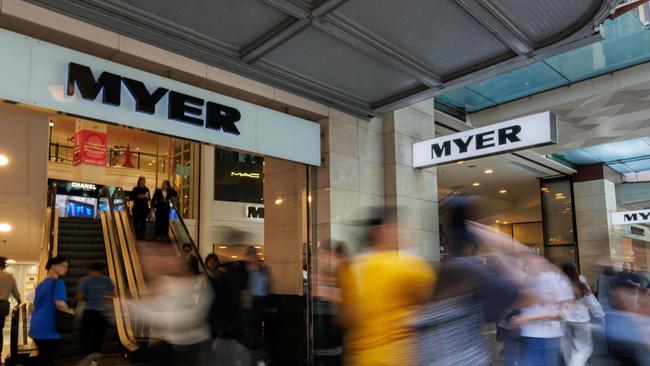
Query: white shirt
column 551, row 289
column 179, row 310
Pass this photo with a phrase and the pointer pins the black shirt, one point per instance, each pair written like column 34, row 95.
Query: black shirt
column 140, row 204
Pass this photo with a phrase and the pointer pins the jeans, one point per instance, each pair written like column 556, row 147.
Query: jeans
column 46, row 351
column 540, row 351
column 93, row 327
column 140, row 224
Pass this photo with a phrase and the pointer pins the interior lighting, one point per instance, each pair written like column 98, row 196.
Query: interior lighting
column 233, row 257
column 503, row 191
column 4, row 160
column 5, row 228
column 497, row 221
column 476, row 184
column 488, row 171
column 505, row 222
column 278, row 201
column 309, row 198
column 258, row 247
column 460, row 162
column 51, row 124
column 259, row 254
column 222, row 247
column 11, row 261
column 545, row 190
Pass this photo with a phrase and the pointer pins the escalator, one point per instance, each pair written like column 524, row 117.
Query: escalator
column 109, row 239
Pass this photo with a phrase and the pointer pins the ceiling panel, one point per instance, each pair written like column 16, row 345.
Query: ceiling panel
column 316, row 56
column 539, row 20
column 234, row 22
column 434, row 32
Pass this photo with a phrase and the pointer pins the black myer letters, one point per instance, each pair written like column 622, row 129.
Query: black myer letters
column 255, row 212
column 635, row 216
column 181, row 107
column 481, row 141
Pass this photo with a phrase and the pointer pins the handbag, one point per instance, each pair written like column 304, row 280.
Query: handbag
column 63, row 322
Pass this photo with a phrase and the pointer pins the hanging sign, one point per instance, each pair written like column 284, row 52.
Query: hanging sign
column 89, row 148
column 630, row 217
column 517, row 134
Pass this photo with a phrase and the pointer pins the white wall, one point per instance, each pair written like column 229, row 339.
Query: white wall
column 232, row 215
column 23, row 182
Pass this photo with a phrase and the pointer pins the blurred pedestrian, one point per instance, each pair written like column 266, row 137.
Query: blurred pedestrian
column 8, row 288
column 381, row 289
column 603, row 285
column 140, row 197
column 216, row 278
column 96, row 291
column 577, row 344
column 177, row 306
column 539, row 323
column 628, row 276
column 51, row 296
column 160, row 205
column 471, row 292
column 254, row 303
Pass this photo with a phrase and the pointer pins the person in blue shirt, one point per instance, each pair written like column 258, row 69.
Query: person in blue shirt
column 50, row 296
column 96, row 291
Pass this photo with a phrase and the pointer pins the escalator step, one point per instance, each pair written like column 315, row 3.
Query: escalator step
column 80, row 240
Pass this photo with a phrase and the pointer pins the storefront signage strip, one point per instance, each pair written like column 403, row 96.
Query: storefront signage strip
column 517, row 134
column 630, row 217
column 54, row 77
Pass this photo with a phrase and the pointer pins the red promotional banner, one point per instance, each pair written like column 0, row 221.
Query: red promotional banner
column 89, row 148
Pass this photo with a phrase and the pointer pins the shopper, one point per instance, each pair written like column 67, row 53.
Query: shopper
column 628, row 276
column 253, row 306
column 603, row 285
column 577, row 344
column 216, row 278
column 7, row 288
column 540, row 325
column 96, row 291
column 140, row 197
column 50, row 297
column 380, row 289
column 160, row 204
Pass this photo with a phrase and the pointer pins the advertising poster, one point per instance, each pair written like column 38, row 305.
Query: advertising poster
column 89, row 148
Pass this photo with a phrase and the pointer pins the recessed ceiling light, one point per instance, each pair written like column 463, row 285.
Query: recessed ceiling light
column 503, row 191
column 4, row 160
column 11, row 261
column 222, row 247
column 497, row 221
column 460, row 162
column 278, row 201
column 505, row 222
column 5, row 228
column 488, row 171
column 258, row 247
column 476, row 184
column 233, row 256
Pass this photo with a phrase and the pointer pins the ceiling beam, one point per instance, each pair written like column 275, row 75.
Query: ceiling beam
column 349, row 32
column 272, row 39
column 498, row 24
column 288, row 7
column 326, row 7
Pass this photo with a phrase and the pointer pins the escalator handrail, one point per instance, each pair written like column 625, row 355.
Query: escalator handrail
column 52, row 251
column 174, row 205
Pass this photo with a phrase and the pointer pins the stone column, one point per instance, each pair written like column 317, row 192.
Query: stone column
column 285, row 224
column 206, row 194
column 595, row 199
column 414, row 192
column 350, row 179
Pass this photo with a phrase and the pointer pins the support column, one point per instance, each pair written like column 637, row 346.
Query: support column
column 595, row 199
column 414, row 192
column 206, row 195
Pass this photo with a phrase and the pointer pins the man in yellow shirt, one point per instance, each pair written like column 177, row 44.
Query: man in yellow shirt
column 381, row 290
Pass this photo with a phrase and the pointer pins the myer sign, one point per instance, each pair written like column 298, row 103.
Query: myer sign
column 520, row 133
column 52, row 77
column 630, row 217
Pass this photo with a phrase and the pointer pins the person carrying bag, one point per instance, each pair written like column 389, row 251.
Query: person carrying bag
column 51, row 315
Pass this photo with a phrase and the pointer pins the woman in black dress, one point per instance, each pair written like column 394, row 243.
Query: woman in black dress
column 161, row 207
column 140, row 197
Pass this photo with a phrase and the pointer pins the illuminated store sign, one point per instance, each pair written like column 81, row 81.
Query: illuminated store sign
column 84, row 186
column 245, row 175
column 517, row 134
column 255, row 212
column 180, row 107
column 59, row 79
column 631, row 217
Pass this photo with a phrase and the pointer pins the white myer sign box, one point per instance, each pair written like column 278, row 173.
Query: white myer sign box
column 53, row 77
column 517, row 134
column 630, row 217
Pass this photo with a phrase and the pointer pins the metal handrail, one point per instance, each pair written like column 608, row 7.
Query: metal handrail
column 122, row 319
column 173, row 205
column 128, row 242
